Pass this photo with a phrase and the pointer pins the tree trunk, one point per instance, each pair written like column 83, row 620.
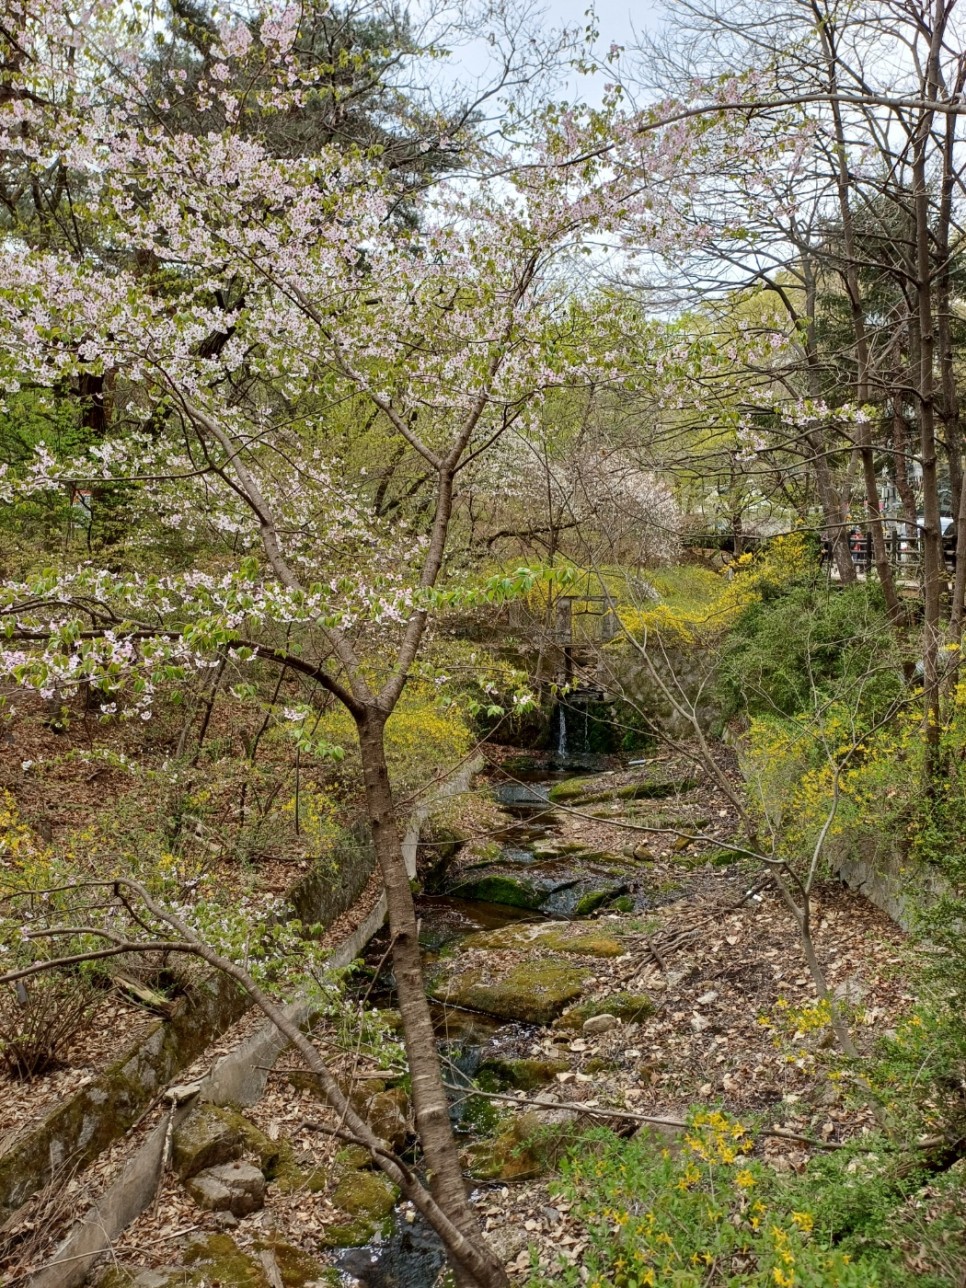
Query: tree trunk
column 834, row 508
column 430, row 1103
column 850, row 277
column 933, row 565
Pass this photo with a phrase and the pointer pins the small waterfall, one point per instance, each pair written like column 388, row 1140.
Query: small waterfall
column 561, row 730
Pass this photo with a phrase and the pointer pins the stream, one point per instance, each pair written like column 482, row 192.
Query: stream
column 411, row 1256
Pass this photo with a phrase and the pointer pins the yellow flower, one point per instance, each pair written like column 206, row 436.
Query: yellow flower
column 745, row 1179
column 804, row 1220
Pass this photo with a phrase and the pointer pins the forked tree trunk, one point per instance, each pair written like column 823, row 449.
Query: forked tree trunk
column 430, row 1103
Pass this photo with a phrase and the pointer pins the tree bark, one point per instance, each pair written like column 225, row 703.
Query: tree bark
column 430, row 1102
column 933, row 565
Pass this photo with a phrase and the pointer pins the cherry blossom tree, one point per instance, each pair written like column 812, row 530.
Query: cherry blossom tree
column 242, row 299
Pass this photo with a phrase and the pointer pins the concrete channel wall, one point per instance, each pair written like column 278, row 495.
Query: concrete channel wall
column 877, row 871
column 75, row 1132
column 240, row 1077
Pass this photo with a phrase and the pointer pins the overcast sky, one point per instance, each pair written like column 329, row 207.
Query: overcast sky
column 617, row 21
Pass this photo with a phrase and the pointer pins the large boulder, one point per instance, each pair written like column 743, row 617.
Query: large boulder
column 366, row 1200
column 552, row 936
column 532, row 991
column 206, row 1138
column 387, row 1113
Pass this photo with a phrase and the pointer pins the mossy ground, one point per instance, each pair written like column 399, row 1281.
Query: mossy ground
column 629, row 1007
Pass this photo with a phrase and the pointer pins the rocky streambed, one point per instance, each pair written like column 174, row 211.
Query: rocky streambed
column 510, row 951
column 545, row 1021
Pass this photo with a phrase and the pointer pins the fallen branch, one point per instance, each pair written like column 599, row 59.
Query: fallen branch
column 654, row 1120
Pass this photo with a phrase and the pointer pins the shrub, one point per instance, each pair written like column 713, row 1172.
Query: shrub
column 702, row 1214
column 39, row 1018
column 786, row 654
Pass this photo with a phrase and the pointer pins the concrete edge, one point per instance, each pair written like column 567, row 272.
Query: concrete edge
column 237, row 1078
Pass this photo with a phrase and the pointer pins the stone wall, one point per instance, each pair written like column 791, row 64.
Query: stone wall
column 876, row 869
column 666, row 687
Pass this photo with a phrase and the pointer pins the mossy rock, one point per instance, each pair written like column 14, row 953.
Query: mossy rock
column 367, row 1199
column 533, row 992
column 387, row 1113
column 266, row 1151
column 353, row 1158
column 623, row 903
column 722, row 858
column 554, row 936
column 296, row 1267
column 220, row 1260
column 356, row 1093
column 591, row 901
column 572, row 789
column 367, row 1194
column 628, row 1007
column 522, row 1074
column 512, row 892
column 526, row 1148
column 206, row 1138
column 557, row 849
column 288, row 1176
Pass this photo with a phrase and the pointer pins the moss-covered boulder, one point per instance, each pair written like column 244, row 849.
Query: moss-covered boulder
column 267, row 1152
column 594, row 899
column 366, row 1199
column 524, row 1149
column 514, row 892
column 206, row 1138
column 218, row 1259
column 628, row 1007
column 552, row 936
column 534, row 992
column 296, row 1267
column 521, row 1074
column 572, row 789
column 387, row 1113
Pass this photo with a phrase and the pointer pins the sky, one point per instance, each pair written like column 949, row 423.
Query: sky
column 616, row 19
column 617, row 22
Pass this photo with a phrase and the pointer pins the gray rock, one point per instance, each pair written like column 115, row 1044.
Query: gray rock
column 238, row 1188
column 508, row 1241
column 203, row 1140
column 600, row 1023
